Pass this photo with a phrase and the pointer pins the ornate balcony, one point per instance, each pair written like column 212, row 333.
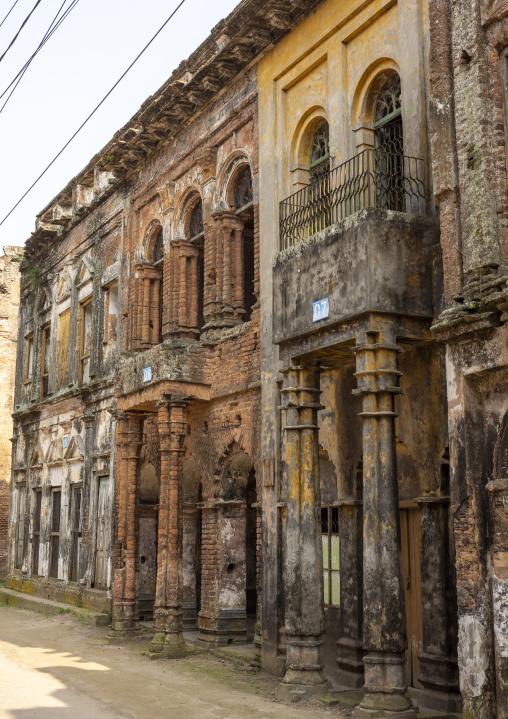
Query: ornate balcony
column 373, row 178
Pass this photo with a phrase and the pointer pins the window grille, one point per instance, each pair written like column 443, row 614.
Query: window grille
column 331, row 558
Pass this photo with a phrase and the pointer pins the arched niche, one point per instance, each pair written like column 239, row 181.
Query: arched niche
column 303, row 142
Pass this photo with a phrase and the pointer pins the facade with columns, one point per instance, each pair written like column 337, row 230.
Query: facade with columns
column 251, row 381
column 358, row 542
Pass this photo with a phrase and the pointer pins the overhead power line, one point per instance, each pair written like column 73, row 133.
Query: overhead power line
column 55, row 24
column 20, row 29
column 12, row 8
column 93, row 111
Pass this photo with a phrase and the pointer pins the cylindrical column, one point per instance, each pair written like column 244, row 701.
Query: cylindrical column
column 303, row 569
column 124, row 544
column 169, row 591
column 219, row 261
column 145, row 331
column 384, row 635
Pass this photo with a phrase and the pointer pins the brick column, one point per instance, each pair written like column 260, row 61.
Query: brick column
column 238, row 302
column 303, row 567
column 169, row 591
column 124, row 622
column 145, row 330
column 156, row 338
column 384, row 635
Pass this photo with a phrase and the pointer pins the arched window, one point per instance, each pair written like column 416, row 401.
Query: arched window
column 319, row 175
column 388, row 117
column 196, row 221
column 158, row 248
column 389, row 146
column 196, row 235
column 319, row 160
column 245, row 298
column 243, row 189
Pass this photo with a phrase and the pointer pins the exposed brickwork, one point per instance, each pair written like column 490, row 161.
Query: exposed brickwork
column 9, row 304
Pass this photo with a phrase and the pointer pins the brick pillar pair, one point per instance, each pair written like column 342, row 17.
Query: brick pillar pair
column 303, row 566
column 384, row 635
column 183, row 296
column 226, row 308
column 124, row 621
column 146, row 310
column 168, row 610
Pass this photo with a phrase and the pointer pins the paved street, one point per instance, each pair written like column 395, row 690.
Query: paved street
column 55, row 668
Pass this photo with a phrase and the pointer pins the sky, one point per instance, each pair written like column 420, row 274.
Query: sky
column 68, row 78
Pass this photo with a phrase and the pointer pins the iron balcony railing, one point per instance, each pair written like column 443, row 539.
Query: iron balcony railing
column 372, row 178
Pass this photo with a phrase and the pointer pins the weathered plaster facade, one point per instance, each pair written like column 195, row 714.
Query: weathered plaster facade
column 362, row 437
column 9, row 304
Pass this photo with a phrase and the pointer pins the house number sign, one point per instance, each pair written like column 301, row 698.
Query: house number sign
column 320, row 309
column 147, row 374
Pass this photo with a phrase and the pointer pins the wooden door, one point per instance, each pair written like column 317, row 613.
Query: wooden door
column 411, row 542
column 102, row 541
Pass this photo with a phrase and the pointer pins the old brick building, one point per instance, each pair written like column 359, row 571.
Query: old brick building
column 136, row 461
column 256, row 396
column 9, row 303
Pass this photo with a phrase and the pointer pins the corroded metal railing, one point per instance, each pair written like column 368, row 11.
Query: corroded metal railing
column 370, row 179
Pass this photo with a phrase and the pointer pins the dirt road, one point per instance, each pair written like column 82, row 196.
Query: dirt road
column 55, row 668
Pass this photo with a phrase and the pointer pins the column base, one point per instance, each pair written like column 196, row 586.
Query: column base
column 361, row 713
column 295, row 692
column 230, row 627
column 168, row 639
column 168, row 644
column 441, row 701
column 385, row 690
column 304, row 669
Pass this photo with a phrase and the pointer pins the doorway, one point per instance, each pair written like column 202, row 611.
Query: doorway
column 410, row 533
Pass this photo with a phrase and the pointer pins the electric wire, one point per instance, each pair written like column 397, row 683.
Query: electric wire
column 20, row 29
column 49, row 32
column 12, row 8
column 93, row 111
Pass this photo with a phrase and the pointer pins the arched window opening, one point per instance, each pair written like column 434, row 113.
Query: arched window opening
column 243, row 189
column 389, row 146
column 319, row 175
column 158, row 248
column 196, row 235
column 319, row 160
column 196, row 221
column 245, row 297
column 158, row 261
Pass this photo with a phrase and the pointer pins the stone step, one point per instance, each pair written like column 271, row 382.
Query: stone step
column 240, row 656
column 47, row 606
